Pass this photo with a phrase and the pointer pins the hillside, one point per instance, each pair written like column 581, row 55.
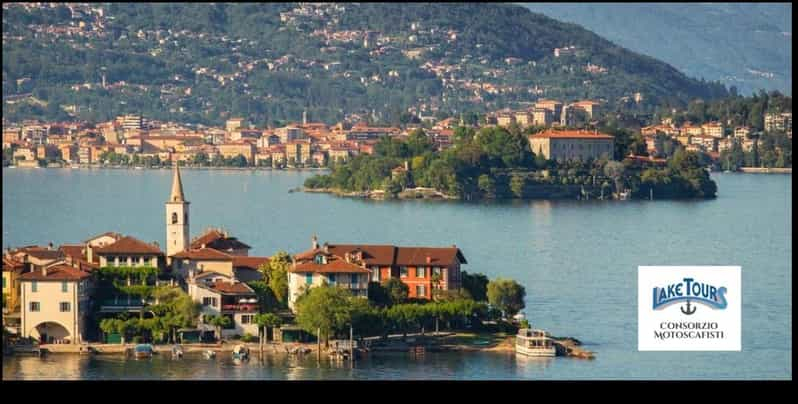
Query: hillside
column 746, row 45
column 203, row 63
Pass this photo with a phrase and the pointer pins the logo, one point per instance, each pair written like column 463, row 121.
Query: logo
column 689, row 290
column 683, row 308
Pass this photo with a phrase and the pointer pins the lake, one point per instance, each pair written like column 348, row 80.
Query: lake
column 577, row 259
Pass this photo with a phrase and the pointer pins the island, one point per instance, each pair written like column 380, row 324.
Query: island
column 495, row 162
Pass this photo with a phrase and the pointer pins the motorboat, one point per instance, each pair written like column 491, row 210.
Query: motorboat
column 532, row 342
column 142, row 351
column 240, row 352
column 209, row 354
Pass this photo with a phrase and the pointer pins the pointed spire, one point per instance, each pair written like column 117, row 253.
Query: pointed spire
column 177, row 187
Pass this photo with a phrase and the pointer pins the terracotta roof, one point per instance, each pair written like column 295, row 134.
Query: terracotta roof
column 570, row 134
column 116, row 236
column 225, row 287
column 76, row 251
column 129, row 245
column 58, row 272
column 204, row 254
column 12, row 265
column 45, row 254
column 438, row 256
column 334, row 265
column 217, row 240
column 372, row 254
column 249, row 262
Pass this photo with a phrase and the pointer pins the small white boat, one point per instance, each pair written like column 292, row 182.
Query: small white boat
column 531, row 342
column 240, row 352
column 209, row 354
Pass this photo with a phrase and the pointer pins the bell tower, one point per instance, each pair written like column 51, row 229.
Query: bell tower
column 177, row 234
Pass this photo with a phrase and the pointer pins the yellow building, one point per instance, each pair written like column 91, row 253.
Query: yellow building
column 572, row 145
column 523, row 118
column 55, row 303
column 298, row 152
column 246, row 149
column 505, row 119
column 12, row 269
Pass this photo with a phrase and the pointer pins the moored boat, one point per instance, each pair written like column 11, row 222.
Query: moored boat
column 142, row 351
column 240, row 352
column 209, row 354
column 177, row 351
column 532, row 342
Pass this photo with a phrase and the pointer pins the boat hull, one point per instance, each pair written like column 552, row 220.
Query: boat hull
column 544, row 352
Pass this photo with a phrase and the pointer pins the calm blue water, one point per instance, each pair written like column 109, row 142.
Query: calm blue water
column 578, row 261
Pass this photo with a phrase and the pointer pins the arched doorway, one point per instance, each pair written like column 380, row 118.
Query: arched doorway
column 50, row 332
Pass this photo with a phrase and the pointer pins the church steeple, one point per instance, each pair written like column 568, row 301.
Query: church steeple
column 177, row 230
column 177, row 187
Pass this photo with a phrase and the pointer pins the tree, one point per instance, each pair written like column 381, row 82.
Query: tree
column 476, row 285
column 264, row 321
column 507, row 295
column 326, row 309
column 219, row 322
column 275, row 274
column 397, row 290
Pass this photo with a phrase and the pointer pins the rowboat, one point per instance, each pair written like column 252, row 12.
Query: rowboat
column 143, row 351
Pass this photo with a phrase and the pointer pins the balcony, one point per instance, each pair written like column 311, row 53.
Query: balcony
column 241, row 307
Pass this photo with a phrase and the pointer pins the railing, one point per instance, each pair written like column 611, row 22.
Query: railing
column 347, row 285
column 240, row 307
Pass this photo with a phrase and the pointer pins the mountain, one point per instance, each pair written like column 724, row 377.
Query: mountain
column 746, row 45
column 203, row 63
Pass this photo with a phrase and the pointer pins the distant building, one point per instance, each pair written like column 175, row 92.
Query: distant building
column 714, row 129
column 233, row 124
column 564, row 145
column 778, row 122
column 542, row 116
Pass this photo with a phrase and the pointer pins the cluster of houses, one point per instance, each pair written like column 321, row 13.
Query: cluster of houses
column 546, row 112
column 50, row 292
column 299, row 144
column 713, row 137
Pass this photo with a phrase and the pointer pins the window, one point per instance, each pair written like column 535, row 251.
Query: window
column 320, row 259
column 331, row 278
column 420, row 272
column 64, row 287
column 209, row 301
column 174, row 218
column 246, row 319
column 420, row 291
column 375, row 274
column 35, row 306
column 309, row 279
column 436, row 271
column 402, row 272
column 64, row 306
column 354, row 279
column 34, row 287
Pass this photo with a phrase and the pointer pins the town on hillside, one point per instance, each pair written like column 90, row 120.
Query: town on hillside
column 132, row 140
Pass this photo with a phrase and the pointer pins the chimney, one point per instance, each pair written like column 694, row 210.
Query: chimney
column 429, row 259
column 50, row 246
column 326, row 248
column 202, row 245
column 348, row 257
column 314, row 242
column 44, row 271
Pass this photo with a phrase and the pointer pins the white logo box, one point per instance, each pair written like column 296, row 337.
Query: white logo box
column 707, row 328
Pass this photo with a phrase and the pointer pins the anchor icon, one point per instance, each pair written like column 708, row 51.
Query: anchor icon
column 689, row 309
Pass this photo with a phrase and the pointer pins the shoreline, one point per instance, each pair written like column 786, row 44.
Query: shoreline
column 447, row 342
column 99, row 167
